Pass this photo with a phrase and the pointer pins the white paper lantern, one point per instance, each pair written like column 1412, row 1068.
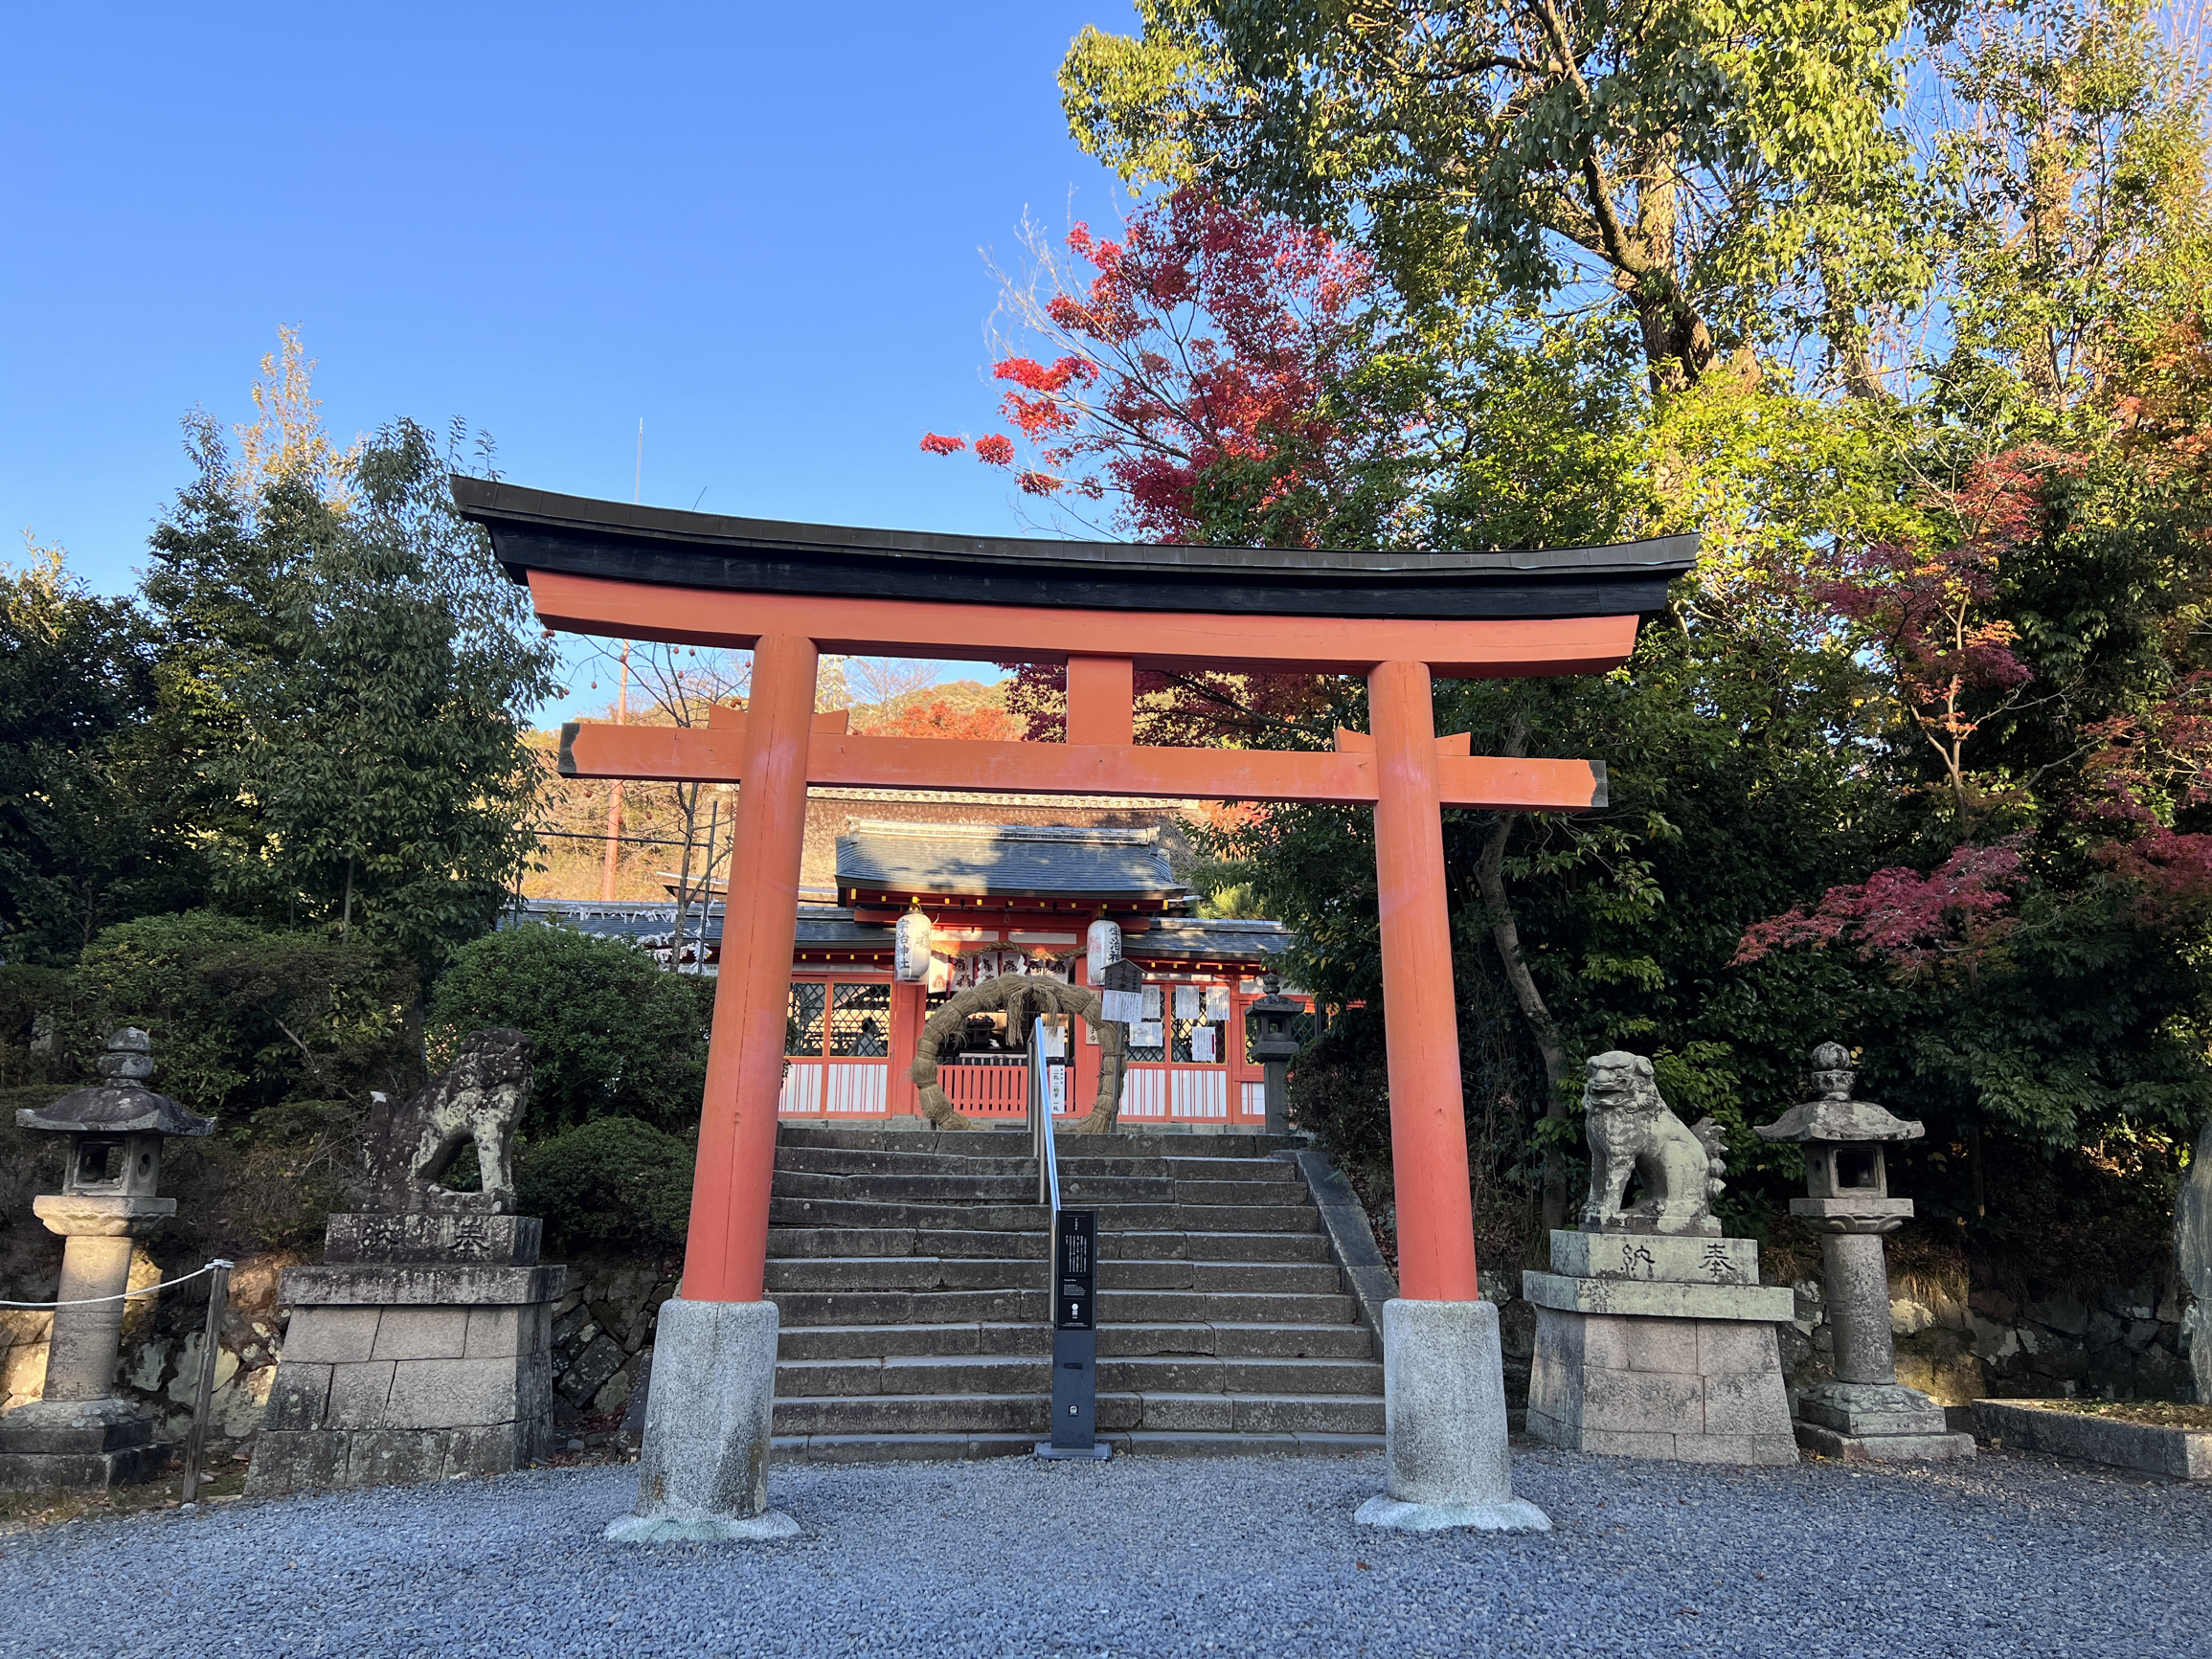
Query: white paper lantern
column 1102, row 943
column 911, row 948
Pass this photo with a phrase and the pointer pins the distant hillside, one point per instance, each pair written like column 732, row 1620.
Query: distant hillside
column 656, row 817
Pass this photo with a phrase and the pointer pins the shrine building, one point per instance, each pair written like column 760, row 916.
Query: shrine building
column 1001, row 898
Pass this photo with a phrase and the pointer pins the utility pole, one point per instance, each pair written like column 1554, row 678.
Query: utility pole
column 607, row 870
column 614, row 795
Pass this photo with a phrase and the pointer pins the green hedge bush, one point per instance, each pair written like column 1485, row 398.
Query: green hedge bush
column 614, row 1184
column 242, row 1018
column 617, row 1036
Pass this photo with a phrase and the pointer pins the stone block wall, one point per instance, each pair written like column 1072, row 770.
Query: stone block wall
column 602, row 1346
column 159, row 1364
column 601, row 1331
column 1699, row 1390
column 370, row 1396
column 2119, row 1342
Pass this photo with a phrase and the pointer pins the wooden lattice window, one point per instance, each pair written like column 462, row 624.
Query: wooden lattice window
column 802, row 1024
column 860, row 1021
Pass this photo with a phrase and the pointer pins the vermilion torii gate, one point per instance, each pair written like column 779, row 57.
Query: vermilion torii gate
column 791, row 592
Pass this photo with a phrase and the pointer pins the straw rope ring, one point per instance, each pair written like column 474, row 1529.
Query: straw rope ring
column 1011, row 991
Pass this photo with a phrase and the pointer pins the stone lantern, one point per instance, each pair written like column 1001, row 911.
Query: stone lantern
column 1273, row 1044
column 79, row 1435
column 1865, row 1413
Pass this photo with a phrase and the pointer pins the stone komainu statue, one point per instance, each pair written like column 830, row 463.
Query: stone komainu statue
column 1632, row 1131
column 479, row 1097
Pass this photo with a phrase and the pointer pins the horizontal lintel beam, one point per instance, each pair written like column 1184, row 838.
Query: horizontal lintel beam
column 1170, row 641
column 713, row 754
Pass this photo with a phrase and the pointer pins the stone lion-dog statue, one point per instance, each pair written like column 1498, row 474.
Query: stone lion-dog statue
column 479, row 1097
column 1632, row 1131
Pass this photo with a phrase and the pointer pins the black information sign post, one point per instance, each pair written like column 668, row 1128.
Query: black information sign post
column 1075, row 1339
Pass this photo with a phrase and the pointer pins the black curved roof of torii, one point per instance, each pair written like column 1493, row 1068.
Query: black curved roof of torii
column 539, row 530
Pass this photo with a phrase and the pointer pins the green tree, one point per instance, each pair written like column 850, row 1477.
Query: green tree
column 2078, row 215
column 613, row 1184
column 244, row 1020
column 84, row 836
column 346, row 677
column 1728, row 172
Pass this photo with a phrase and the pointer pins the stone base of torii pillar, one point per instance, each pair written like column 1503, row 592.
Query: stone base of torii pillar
column 1444, row 1419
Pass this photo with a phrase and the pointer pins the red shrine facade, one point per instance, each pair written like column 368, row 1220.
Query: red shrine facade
column 1017, row 899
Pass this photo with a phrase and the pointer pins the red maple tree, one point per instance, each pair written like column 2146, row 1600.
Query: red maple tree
column 1926, row 610
column 1928, row 614
column 1204, row 336
column 939, row 717
column 1916, row 923
column 2147, row 769
column 2165, row 409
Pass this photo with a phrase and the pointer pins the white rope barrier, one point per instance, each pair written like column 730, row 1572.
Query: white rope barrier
column 126, row 1296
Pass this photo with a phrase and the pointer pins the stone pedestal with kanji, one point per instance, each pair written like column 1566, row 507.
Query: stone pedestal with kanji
column 420, row 1349
column 1651, row 1346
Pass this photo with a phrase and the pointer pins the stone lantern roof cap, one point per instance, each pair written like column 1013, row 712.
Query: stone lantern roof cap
column 1833, row 1116
column 1840, row 1120
column 120, row 1108
column 121, row 1104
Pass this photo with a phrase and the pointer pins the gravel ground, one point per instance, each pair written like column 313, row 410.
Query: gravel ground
column 2009, row 1555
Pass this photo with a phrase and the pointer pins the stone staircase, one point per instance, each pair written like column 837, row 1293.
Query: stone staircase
column 909, row 1269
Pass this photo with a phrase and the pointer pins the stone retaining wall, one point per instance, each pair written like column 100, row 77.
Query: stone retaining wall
column 159, row 1364
column 2119, row 1343
column 603, row 1336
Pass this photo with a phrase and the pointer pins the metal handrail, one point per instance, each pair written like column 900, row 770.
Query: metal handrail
column 1041, row 1132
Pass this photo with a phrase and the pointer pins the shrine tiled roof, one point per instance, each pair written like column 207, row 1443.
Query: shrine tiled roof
column 883, row 855
column 651, row 925
column 1197, row 939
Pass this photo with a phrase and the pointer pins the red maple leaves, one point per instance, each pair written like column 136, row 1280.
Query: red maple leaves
column 1927, row 609
column 940, row 717
column 1203, row 334
column 2161, row 757
column 1927, row 615
column 2165, row 416
column 1911, row 921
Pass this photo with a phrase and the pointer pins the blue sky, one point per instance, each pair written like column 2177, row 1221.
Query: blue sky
column 755, row 227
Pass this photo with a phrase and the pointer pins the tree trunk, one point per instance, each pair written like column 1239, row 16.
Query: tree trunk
column 1677, row 346
column 1505, row 934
